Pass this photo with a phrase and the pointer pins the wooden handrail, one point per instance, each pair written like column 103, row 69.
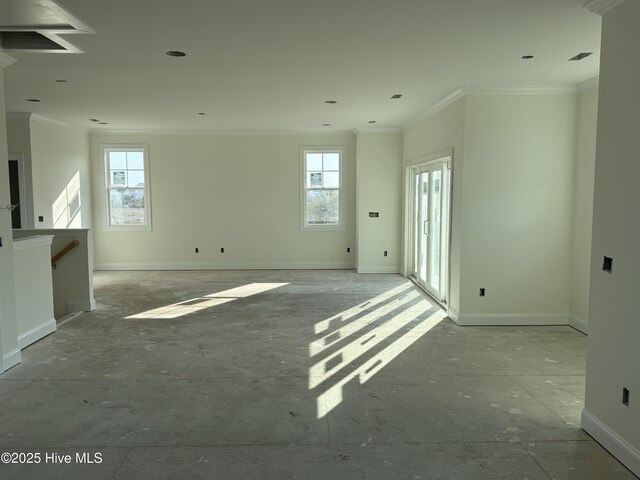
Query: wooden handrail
column 73, row 244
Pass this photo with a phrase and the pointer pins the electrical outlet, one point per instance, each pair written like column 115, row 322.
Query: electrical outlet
column 222, row 250
column 625, row 396
column 41, row 219
column 348, row 249
column 386, row 254
column 482, row 292
column 607, row 264
column 197, row 250
column 0, row 242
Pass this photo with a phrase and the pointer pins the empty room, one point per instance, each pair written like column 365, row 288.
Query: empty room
column 292, row 239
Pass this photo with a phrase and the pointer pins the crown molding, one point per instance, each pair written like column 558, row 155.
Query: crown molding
column 56, row 123
column 227, row 133
column 6, row 60
column 600, row 7
column 519, row 90
column 464, row 91
column 377, row 130
column 593, row 83
column 443, row 103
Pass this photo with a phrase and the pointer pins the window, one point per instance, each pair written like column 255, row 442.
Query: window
column 322, row 202
column 127, row 187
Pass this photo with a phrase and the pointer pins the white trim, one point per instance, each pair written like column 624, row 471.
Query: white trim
column 453, row 314
column 26, row 243
column 504, row 319
column 37, row 333
column 579, row 324
column 519, row 90
column 19, row 115
column 11, row 359
column 104, row 185
column 381, row 269
column 435, row 108
column 226, row 266
column 6, row 60
column 229, row 133
column 600, row 7
column 464, row 91
column 56, row 123
column 79, row 305
column 628, row 455
column 593, row 83
column 342, row 197
column 377, row 130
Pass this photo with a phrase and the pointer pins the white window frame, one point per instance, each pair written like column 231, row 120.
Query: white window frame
column 104, row 150
column 341, row 225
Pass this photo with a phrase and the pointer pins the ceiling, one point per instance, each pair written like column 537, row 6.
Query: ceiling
column 256, row 65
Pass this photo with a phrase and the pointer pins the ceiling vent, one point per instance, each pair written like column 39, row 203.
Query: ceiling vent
column 36, row 26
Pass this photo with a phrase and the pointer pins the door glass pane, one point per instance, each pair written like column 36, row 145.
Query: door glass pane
column 424, row 202
column 416, row 222
column 435, row 214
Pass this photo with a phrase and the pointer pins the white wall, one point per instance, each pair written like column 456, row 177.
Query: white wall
column 61, row 175
column 443, row 131
column 237, row 192
column 613, row 355
column 9, row 351
column 516, row 213
column 19, row 138
column 584, row 171
column 379, row 187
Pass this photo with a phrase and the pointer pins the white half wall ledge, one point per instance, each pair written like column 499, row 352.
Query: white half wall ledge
column 37, row 333
column 223, row 266
column 579, row 324
column 616, row 445
column 513, row 319
column 11, row 359
column 600, row 7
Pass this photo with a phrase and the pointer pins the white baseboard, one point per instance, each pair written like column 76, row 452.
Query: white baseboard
column 37, row 333
column 616, row 445
column 454, row 315
column 77, row 306
column 579, row 324
column 11, row 359
column 378, row 270
column 225, row 266
column 515, row 319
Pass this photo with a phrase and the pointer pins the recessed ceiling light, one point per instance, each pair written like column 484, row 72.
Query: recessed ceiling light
column 372, row 121
column 34, row 100
column 61, row 81
column 326, row 124
column 201, row 113
column 527, row 57
column 176, row 53
column 103, row 123
column 580, row 56
column 331, row 102
column 94, row 120
column 396, row 96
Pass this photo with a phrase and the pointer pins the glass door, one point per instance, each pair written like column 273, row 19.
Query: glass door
column 430, row 227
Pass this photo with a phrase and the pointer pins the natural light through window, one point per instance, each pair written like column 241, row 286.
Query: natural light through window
column 322, row 202
column 66, row 208
column 372, row 334
column 194, row 305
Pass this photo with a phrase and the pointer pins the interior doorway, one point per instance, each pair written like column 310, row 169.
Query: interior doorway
column 430, row 200
column 17, row 191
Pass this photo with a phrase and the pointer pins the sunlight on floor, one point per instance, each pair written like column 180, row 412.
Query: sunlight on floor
column 393, row 317
column 194, row 305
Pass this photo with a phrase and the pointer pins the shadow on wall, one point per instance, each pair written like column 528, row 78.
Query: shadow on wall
column 66, row 209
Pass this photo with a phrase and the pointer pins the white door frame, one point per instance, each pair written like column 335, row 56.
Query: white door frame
column 408, row 230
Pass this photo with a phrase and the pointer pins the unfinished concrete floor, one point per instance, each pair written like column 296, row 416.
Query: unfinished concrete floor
column 224, row 387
